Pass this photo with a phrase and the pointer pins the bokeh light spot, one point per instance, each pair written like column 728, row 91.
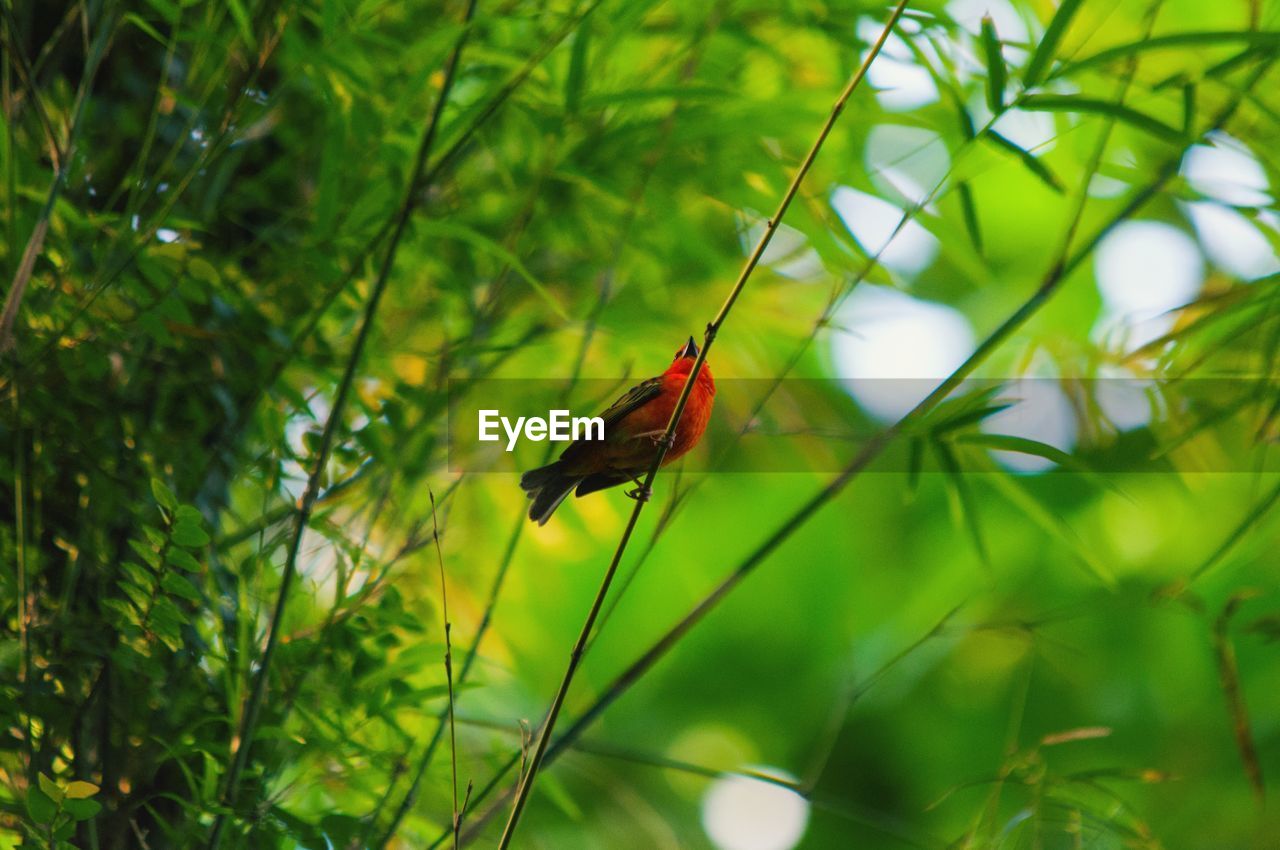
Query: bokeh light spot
column 872, row 222
column 740, row 813
column 891, row 348
column 1039, row 410
column 906, row 161
column 1145, row 269
column 901, row 85
column 1226, row 171
column 1232, row 241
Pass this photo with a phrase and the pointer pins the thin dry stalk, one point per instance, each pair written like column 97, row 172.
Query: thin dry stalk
column 249, row 720
column 1054, row 277
column 1229, row 679
column 63, row 157
column 525, row 786
column 605, row 279
column 448, row 671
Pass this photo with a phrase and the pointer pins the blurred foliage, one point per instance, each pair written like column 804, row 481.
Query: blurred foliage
column 944, row 654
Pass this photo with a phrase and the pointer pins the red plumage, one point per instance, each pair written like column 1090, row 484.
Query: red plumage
column 633, row 425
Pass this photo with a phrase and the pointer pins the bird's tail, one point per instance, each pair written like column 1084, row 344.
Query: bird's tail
column 547, row 486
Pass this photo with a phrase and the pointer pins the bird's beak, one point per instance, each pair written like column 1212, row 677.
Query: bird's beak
column 690, row 349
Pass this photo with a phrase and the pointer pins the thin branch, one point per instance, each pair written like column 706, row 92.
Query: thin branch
column 28, row 79
column 448, row 671
column 35, row 243
column 1229, row 679
column 525, row 786
column 1053, row 279
column 249, row 720
column 604, row 290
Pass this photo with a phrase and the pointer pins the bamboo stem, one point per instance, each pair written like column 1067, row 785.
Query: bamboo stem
column 525, row 786
column 249, row 721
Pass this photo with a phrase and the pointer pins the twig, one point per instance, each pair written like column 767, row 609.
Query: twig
column 1055, row 276
column 544, row 738
column 249, row 720
column 27, row 77
column 448, row 671
column 499, row 580
column 1229, row 679
column 22, row 277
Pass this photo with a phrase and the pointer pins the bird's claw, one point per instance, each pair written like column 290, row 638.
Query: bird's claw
column 640, row 493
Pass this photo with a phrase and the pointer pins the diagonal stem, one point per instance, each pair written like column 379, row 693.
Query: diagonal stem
column 249, row 721
column 525, row 786
column 63, row 158
column 1053, row 279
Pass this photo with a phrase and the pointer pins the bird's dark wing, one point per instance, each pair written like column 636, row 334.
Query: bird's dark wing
column 631, row 401
column 636, row 397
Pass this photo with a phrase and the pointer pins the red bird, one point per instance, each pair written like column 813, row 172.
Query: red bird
column 633, row 427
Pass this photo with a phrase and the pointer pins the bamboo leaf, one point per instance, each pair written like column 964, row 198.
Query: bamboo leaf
column 1140, row 120
column 915, row 461
column 243, row 24
column 1238, row 533
column 961, row 499
column 1053, row 525
column 970, row 211
column 1048, row 45
column 484, row 243
column 574, row 81
column 1022, row 445
column 1034, row 165
column 1175, row 41
column 995, row 65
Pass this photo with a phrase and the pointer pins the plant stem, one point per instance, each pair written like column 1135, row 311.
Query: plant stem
column 35, row 242
column 1053, row 279
column 249, row 720
column 448, row 668
column 525, row 786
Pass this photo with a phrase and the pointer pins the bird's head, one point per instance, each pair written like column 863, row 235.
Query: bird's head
column 689, row 350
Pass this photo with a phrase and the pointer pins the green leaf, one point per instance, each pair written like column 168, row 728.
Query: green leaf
column 141, row 23
column 190, row 535
column 40, row 807
column 1023, row 445
column 1237, row 534
column 79, row 790
column 188, row 514
column 573, row 84
column 966, row 418
column 243, row 23
column 1048, row 46
column 82, row 809
column 182, row 559
column 484, row 243
column 138, row 575
column 163, row 495
column 1175, row 41
column 960, row 497
column 146, row 553
column 140, row 597
column 995, row 65
column 970, row 212
column 1139, row 120
column 180, row 586
column 1053, row 525
column 915, row 462
column 1029, row 160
